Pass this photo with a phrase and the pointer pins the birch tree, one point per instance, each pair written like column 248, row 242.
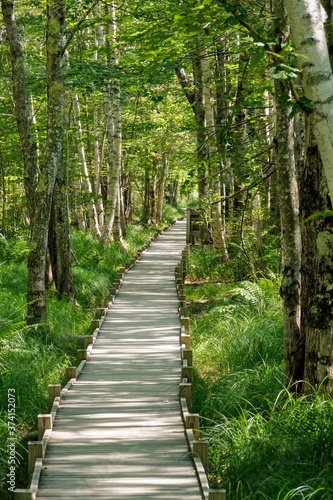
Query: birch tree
column 36, row 298
column 21, row 105
column 112, row 106
column 307, row 25
column 92, row 209
column 288, row 194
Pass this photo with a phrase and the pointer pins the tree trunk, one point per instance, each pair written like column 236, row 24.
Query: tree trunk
column 289, row 212
column 317, row 271
column 59, row 241
column 112, row 107
column 199, row 109
column 92, row 210
column 162, row 179
column 28, row 142
column 36, row 300
column 307, row 25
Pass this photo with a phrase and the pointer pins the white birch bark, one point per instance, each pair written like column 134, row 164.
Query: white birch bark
column 216, row 208
column 116, row 139
column 161, row 187
column 93, row 216
column 113, row 115
column 307, row 25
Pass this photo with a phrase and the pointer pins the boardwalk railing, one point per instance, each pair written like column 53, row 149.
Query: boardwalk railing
column 198, row 447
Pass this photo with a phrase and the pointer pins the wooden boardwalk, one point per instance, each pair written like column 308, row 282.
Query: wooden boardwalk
column 118, row 432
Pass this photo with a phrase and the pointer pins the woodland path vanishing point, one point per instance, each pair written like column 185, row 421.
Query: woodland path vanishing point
column 118, row 432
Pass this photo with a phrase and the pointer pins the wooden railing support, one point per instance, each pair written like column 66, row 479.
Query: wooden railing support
column 35, row 450
column 44, row 422
column 54, row 392
column 200, row 448
column 70, row 373
column 87, row 340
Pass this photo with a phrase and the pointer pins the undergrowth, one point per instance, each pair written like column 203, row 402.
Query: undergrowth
column 31, row 358
column 264, row 443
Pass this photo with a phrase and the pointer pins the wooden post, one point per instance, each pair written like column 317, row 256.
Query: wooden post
column 185, row 321
column 187, row 372
column 184, row 312
column 217, row 495
column 192, row 421
column 188, row 355
column 188, row 226
column 94, row 325
column 185, row 391
column 70, row 373
column 100, row 311
column 44, row 422
column 200, row 448
column 186, row 339
column 54, row 392
column 81, row 355
column 35, row 450
column 87, row 340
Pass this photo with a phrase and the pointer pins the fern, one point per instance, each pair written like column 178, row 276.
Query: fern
column 251, row 293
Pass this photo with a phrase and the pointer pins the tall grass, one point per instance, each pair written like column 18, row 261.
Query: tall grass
column 264, row 442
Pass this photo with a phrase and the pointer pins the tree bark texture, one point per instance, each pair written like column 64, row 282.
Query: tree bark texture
column 288, row 195
column 21, row 105
column 317, row 271
column 307, row 24
column 36, row 312
column 92, row 210
column 59, row 240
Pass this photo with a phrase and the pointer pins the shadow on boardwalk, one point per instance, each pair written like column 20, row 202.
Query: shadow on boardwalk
column 119, row 431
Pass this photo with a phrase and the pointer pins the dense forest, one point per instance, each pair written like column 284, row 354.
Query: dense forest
column 115, row 117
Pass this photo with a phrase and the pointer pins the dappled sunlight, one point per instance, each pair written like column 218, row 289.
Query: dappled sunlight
column 119, row 430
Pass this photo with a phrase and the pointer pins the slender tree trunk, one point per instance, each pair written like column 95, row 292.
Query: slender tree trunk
column 98, row 170
column 146, row 199
column 117, row 226
column 113, row 113
column 317, row 271
column 60, row 250
column 28, row 142
column 163, row 174
column 289, row 212
column 53, row 155
column 92, row 210
column 307, row 24
column 199, row 109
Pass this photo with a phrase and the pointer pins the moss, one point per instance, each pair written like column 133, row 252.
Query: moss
column 54, row 26
column 325, row 243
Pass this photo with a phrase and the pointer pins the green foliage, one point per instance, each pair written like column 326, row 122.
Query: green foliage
column 264, row 442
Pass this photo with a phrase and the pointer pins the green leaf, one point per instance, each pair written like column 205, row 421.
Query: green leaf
column 318, row 213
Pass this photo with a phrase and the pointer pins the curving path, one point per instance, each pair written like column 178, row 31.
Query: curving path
column 119, row 432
